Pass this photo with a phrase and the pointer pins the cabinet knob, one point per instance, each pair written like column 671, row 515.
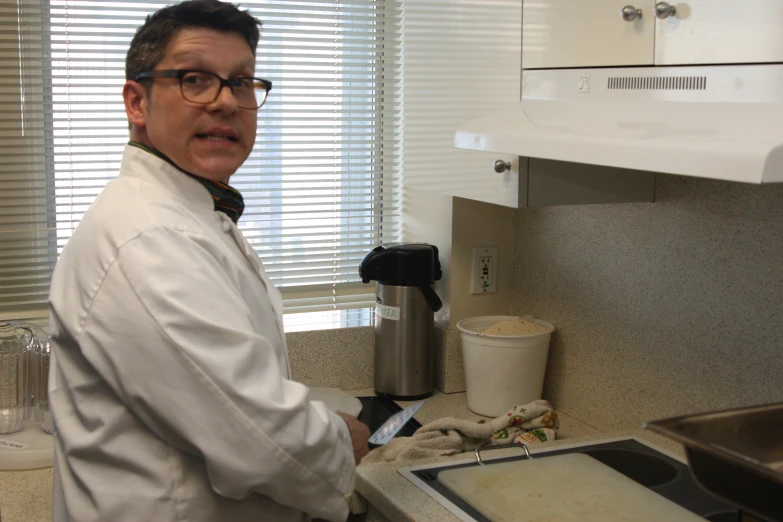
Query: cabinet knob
column 502, row 166
column 630, row 13
column 664, row 10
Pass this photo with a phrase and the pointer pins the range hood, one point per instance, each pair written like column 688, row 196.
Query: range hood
column 720, row 122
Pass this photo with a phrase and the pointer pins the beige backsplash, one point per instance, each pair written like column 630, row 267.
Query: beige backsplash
column 344, row 358
column 341, row 358
column 661, row 308
column 449, row 369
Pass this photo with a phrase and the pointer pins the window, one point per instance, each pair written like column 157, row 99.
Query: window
column 321, row 185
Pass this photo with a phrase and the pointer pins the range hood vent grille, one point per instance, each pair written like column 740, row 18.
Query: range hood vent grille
column 657, row 83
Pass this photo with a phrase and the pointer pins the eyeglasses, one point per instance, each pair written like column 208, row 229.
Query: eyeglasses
column 204, row 87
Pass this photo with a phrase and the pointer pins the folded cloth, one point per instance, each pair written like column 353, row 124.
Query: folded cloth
column 532, row 423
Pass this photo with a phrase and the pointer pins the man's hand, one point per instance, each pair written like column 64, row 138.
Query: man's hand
column 359, row 435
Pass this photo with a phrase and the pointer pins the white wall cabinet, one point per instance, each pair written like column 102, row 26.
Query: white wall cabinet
column 721, row 31
column 461, row 61
column 568, row 33
column 601, row 33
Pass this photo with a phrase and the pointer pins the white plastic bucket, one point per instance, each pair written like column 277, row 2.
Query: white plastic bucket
column 502, row 371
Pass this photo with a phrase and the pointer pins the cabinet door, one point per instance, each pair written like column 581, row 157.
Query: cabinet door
column 568, row 33
column 461, row 62
column 721, row 31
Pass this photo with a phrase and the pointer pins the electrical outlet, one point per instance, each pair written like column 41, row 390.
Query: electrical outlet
column 484, row 270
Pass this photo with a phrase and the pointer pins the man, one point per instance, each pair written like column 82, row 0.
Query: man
column 170, row 381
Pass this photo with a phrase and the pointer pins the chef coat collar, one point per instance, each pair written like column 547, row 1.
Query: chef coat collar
column 227, row 199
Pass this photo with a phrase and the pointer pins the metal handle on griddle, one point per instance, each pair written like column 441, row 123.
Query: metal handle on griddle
column 485, row 447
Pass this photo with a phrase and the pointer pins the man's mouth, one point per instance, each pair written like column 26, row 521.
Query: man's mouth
column 216, row 137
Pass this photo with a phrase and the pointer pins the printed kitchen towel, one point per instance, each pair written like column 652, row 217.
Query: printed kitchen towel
column 532, row 423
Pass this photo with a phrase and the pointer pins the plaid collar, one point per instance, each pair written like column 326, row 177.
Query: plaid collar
column 227, row 199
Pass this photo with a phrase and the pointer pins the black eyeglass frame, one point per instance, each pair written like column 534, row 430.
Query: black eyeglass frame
column 179, row 74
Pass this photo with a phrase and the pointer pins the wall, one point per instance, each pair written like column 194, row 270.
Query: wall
column 455, row 226
column 426, row 218
column 475, row 224
column 661, row 308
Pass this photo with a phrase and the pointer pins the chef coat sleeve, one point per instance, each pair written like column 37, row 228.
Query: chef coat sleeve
column 170, row 333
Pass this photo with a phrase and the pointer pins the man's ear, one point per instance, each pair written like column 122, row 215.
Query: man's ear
column 136, row 103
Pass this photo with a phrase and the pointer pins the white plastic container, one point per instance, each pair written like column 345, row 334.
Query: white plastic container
column 502, row 371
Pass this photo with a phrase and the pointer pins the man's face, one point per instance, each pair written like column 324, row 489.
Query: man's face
column 211, row 140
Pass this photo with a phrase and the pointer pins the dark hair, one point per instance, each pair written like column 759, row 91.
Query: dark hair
column 148, row 47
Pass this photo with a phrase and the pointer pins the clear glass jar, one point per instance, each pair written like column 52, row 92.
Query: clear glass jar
column 15, row 385
column 40, row 355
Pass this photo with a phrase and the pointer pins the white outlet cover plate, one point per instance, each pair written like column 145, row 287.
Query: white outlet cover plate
column 476, row 283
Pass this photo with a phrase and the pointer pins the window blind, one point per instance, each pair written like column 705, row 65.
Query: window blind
column 321, row 185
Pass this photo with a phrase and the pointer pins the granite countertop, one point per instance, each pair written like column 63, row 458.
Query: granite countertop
column 399, row 500
column 25, row 496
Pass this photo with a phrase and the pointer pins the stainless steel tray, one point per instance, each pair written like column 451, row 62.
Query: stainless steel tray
column 735, row 454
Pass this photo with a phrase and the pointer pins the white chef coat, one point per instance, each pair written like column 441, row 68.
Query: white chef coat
column 169, row 382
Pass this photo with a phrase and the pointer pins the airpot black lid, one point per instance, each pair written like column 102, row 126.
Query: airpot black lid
column 401, row 264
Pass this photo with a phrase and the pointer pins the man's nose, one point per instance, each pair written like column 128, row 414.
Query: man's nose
column 225, row 100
